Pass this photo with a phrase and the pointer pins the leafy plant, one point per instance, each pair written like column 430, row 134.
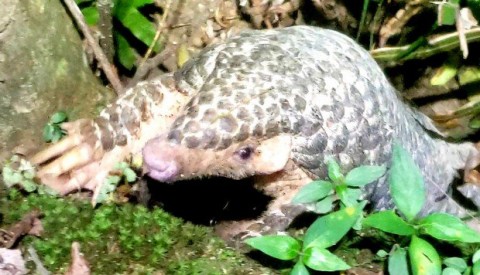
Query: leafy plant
column 129, row 16
column 123, row 172
column 312, row 252
column 52, row 132
column 323, row 194
column 326, row 231
column 20, row 172
column 408, row 193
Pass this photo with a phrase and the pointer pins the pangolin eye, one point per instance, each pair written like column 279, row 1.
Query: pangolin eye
column 245, row 152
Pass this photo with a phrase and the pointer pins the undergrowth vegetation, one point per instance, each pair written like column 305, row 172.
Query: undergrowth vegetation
column 131, row 238
column 413, row 253
column 132, row 27
column 122, row 238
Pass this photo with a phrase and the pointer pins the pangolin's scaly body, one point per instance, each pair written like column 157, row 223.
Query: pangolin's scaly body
column 275, row 104
column 319, row 91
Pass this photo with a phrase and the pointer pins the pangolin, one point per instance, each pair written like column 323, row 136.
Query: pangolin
column 276, row 104
column 273, row 104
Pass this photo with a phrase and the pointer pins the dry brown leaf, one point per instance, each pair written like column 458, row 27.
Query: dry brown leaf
column 30, row 224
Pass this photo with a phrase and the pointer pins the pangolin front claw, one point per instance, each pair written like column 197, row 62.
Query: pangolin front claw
column 92, row 148
column 68, row 165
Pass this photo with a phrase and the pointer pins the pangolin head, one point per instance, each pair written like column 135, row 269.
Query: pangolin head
column 225, row 131
column 252, row 99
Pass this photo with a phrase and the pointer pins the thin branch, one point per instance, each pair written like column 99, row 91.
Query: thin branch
column 101, row 58
column 160, row 28
column 149, row 64
column 442, row 43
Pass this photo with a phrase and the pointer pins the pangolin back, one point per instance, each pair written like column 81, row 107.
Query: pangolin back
column 324, row 90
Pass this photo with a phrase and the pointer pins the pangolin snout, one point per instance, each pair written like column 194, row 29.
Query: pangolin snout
column 158, row 163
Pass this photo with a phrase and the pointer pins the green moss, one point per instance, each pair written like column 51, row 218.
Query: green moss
column 129, row 239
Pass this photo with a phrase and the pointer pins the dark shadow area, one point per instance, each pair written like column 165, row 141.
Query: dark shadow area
column 210, row 200
column 270, row 262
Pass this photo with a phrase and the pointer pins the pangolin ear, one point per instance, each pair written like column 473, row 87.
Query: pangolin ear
column 272, row 155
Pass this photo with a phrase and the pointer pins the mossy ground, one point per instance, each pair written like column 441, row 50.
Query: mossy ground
column 123, row 239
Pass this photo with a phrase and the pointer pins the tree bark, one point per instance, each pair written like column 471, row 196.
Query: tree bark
column 43, row 68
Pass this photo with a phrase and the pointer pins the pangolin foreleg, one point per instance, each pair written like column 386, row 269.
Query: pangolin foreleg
column 92, row 148
column 282, row 186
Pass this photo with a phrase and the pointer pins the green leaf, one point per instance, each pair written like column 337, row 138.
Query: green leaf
column 381, row 253
column 58, row 117
column 107, row 187
column 313, row 191
column 474, row 123
column 469, row 75
column 28, row 185
column 358, row 223
column 45, row 190
column 444, row 74
column 29, row 174
column 423, row 257
column 448, row 228
column 389, row 222
column 476, row 256
column 57, row 134
column 476, row 267
column 328, row 230
column 299, row 269
column 139, row 3
column 130, row 175
column 322, row 260
column 10, row 176
column 120, row 166
column 406, row 183
column 349, row 196
column 91, row 15
column 450, row 271
column 48, row 131
column 82, row 1
column 364, row 175
column 334, row 171
column 397, row 262
column 456, row 263
column 113, row 180
column 447, row 12
column 280, row 247
column 325, row 205
column 134, row 21
column 126, row 55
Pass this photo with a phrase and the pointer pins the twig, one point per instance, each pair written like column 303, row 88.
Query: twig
column 149, row 64
column 436, row 45
column 181, row 25
column 102, row 59
column 160, row 28
column 146, row 65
